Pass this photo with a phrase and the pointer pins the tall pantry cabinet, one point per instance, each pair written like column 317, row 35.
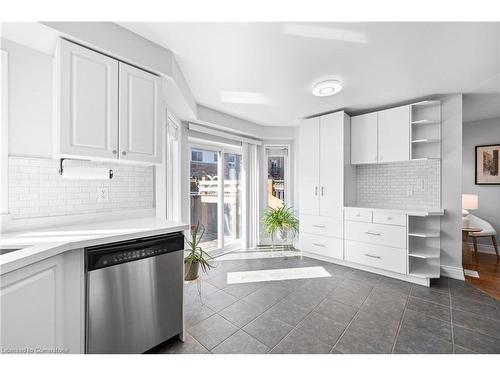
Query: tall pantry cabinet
column 324, row 168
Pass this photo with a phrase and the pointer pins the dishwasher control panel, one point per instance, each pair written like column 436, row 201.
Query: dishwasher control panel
column 114, row 254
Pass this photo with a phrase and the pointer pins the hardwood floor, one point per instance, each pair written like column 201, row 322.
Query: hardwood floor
column 488, row 267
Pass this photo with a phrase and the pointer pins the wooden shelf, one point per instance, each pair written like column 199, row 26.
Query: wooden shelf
column 426, row 140
column 425, row 253
column 425, row 234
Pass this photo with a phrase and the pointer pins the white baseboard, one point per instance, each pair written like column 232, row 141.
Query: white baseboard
column 452, row 272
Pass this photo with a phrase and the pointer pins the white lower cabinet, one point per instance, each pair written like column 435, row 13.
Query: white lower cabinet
column 383, row 257
column 42, row 306
column 329, row 247
column 322, row 225
column 377, row 234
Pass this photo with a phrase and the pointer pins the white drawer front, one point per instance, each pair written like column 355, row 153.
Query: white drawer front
column 321, row 225
column 390, row 218
column 354, row 214
column 387, row 258
column 325, row 246
column 377, row 234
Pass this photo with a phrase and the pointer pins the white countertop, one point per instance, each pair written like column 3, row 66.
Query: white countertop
column 411, row 211
column 39, row 244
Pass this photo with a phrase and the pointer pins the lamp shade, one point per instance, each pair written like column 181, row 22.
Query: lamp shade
column 470, row 202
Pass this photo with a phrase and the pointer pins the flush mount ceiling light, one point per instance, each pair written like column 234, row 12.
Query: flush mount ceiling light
column 327, row 88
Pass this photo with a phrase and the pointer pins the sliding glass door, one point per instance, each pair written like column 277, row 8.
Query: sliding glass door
column 216, row 196
column 204, row 193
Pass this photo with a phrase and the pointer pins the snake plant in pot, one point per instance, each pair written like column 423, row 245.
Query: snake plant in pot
column 280, row 221
column 196, row 256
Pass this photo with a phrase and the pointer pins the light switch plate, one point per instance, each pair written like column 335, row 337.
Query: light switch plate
column 102, row 194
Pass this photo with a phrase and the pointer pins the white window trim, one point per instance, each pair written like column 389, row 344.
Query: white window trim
column 4, row 146
column 173, row 169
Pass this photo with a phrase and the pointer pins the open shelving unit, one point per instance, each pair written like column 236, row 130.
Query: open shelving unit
column 424, row 246
column 425, row 135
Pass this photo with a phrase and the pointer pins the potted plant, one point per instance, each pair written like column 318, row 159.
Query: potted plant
column 280, row 221
column 196, row 257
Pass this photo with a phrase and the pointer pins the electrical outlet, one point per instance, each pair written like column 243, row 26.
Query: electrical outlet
column 102, row 194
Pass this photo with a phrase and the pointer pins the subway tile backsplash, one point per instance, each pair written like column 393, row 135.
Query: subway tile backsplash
column 36, row 189
column 399, row 185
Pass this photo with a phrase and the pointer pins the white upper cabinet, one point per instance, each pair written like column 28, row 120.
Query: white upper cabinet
column 331, row 152
column 88, row 102
column 321, row 165
column 309, row 166
column 140, row 133
column 364, row 139
column 394, row 134
column 107, row 109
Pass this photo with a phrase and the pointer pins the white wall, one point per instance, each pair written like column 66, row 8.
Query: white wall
column 30, row 101
column 451, row 177
column 474, row 134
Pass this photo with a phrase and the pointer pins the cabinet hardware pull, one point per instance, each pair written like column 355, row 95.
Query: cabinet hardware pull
column 372, row 256
column 319, row 245
column 124, row 152
column 322, row 190
column 373, row 233
column 318, row 226
column 316, row 191
column 114, row 152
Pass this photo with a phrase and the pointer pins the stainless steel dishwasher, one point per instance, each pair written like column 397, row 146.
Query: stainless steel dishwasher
column 133, row 294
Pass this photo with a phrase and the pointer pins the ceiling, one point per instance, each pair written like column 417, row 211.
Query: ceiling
column 264, row 72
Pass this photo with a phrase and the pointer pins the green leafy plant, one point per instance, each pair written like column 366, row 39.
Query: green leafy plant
column 195, row 253
column 280, row 220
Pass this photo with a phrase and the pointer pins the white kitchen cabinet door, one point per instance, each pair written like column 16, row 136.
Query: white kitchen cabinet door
column 394, row 134
column 364, row 139
column 331, row 173
column 88, row 103
column 140, row 125
column 309, row 166
column 32, row 302
column 42, row 305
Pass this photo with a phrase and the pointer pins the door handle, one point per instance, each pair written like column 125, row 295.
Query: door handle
column 315, row 191
column 318, row 226
column 372, row 256
column 322, row 190
column 373, row 233
column 319, row 245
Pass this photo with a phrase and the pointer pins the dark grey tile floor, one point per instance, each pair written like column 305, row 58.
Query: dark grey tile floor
column 349, row 312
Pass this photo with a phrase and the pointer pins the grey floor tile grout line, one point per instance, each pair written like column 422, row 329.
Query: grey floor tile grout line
column 257, row 317
column 308, row 314
column 451, row 322
column 401, row 321
column 352, row 319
